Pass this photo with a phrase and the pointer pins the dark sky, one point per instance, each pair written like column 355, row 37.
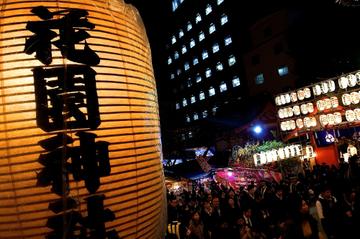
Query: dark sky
column 326, row 37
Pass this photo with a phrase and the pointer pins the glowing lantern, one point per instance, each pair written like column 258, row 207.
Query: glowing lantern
column 296, row 110
column 79, row 125
column 293, row 96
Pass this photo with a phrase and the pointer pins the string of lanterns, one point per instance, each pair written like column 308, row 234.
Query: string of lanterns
column 311, row 110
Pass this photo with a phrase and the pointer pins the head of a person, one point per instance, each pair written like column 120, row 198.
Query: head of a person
column 173, row 202
column 195, row 217
column 231, row 194
column 207, row 205
column 251, row 189
column 247, row 212
column 326, row 192
column 304, row 207
column 216, row 202
column 231, row 202
column 279, row 190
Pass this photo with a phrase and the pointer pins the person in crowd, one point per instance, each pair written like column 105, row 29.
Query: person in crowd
column 175, row 228
column 301, row 224
column 248, row 198
column 207, row 215
column 278, row 209
column 327, row 211
column 196, row 228
column 349, row 213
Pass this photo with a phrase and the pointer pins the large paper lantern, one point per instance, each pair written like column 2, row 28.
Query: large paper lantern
column 80, row 153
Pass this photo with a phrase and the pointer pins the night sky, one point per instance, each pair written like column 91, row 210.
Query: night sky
column 325, row 37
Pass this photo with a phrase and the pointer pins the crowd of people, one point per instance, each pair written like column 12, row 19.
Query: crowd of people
column 320, row 203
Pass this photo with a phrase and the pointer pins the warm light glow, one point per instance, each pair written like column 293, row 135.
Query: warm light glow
column 128, row 109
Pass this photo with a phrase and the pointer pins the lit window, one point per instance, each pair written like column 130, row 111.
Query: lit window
column 189, row 26
column 187, row 118
column 198, row 78
column 215, row 48
column 205, row 114
column 201, row 95
column 214, row 110
column 219, row 66
column 219, row 2
column 205, row 54
column 201, row 36
column 169, row 60
column 181, row 33
column 211, row 91
column 198, row 18
column 177, row 106
column 223, row 87
column 190, row 134
column 178, row 72
column 189, row 82
column 208, row 72
column 176, row 55
column 196, row 116
column 186, row 66
column 173, row 40
column 224, row 19
column 183, row 49
column 184, row 102
column 228, row 40
column 259, row 79
column 192, row 43
column 283, row 71
column 231, row 60
column 195, row 61
column 212, row 28
column 172, row 76
column 235, row 81
column 208, row 9
column 192, row 99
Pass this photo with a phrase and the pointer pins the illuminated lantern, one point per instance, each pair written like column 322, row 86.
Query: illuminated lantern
column 327, row 103
column 352, row 80
column 337, row 117
column 299, row 123
column 350, row 115
column 307, row 93
column 358, row 77
column 323, row 120
column 334, row 102
column 304, row 109
column 310, row 107
column 287, row 98
column 346, row 99
column 324, row 87
column 293, row 96
column 332, row 85
column 277, row 100
column 290, row 112
column 343, row 82
column 355, row 97
column 296, row 110
column 357, row 113
column 316, row 90
column 300, row 94
column 79, row 125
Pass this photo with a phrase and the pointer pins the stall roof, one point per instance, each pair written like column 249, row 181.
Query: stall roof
column 189, row 169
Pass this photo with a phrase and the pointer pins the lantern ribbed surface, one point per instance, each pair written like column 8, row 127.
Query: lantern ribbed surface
column 128, row 110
